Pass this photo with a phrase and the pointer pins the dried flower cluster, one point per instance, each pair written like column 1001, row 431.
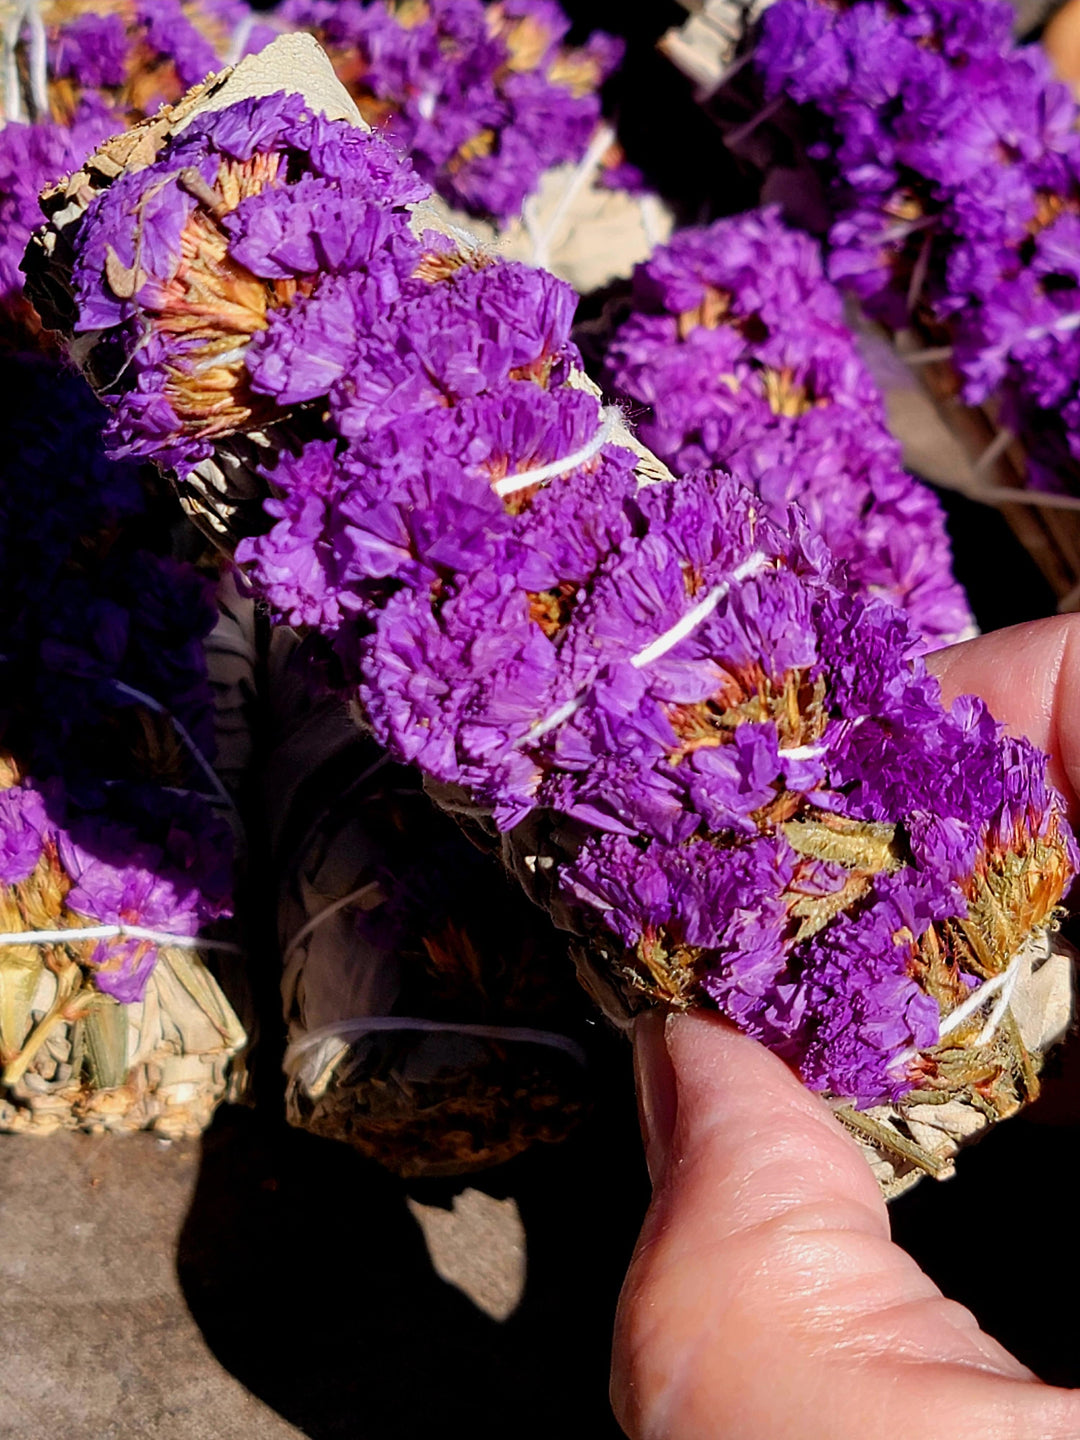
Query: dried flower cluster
column 952, row 159
column 104, row 816
column 737, row 347
column 484, row 98
column 773, row 810
column 68, row 58
column 72, row 75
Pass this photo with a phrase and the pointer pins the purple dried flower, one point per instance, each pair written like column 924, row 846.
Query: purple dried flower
column 23, row 827
column 737, row 345
column 483, row 97
column 31, row 156
column 759, row 794
column 951, row 157
column 162, row 269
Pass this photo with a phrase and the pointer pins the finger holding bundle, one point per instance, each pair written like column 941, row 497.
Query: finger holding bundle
column 715, row 760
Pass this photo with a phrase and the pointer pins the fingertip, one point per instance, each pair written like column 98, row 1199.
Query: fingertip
column 1029, row 677
column 654, row 1079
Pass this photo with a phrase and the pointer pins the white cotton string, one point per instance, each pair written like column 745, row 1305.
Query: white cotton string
column 371, row 888
column 184, row 734
column 25, row 13
column 610, row 418
column 753, row 565
column 582, row 176
column 803, row 752
column 37, row 61
column 13, row 106
column 1006, row 495
column 1005, row 984
column 555, row 719
column 116, row 932
column 241, row 35
column 927, row 357
column 346, row 1030
column 976, row 1000
column 736, row 136
column 997, row 1014
column 997, row 447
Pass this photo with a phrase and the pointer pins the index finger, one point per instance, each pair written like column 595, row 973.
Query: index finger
column 1029, row 676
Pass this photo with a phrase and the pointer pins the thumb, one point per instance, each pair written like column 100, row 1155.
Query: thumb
column 765, row 1298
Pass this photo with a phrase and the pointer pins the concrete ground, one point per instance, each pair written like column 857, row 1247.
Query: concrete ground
column 266, row 1284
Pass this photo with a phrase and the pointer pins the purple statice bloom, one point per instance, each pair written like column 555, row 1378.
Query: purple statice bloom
column 455, row 341
column 849, row 1033
column 317, row 225
column 92, row 50
column 307, row 348
column 23, row 828
column 171, row 34
column 31, row 156
column 949, row 152
column 146, row 247
column 483, row 98
column 341, row 212
column 427, row 687
column 737, row 346
column 297, row 564
column 119, row 879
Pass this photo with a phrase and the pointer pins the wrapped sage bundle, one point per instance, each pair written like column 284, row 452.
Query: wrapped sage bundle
column 503, row 120
column 71, row 75
column 64, row 62
column 942, row 160
column 704, row 47
column 736, row 356
column 712, row 758
column 115, row 858
column 431, row 1012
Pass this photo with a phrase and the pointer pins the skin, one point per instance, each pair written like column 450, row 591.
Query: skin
column 765, row 1300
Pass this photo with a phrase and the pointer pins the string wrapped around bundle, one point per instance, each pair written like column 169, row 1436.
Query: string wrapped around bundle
column 116, row 857
column 715, row 761
column 433, row 1021
column 939, row 158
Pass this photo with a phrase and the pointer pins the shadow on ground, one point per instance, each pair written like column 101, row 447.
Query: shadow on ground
column 312, row 1284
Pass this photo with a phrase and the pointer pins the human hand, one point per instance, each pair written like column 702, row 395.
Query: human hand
column 765, row 1300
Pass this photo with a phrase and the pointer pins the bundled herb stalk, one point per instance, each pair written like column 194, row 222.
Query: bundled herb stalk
column 431, row 1012
column 704, row 47
column 115, row 862
column 736, row 356
column 503, row 120
column 943, row 160
column 62, row 61
column 716, row 762
column 71, row 75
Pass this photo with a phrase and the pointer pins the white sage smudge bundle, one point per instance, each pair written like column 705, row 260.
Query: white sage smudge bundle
column 433, row 1020
column 115, row 860
column 712, row 758
column 503, row 119
column 956, row 239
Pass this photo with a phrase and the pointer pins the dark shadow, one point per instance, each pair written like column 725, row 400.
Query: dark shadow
column 999, row 1238
column 312, row 1284
column 1003, row 583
